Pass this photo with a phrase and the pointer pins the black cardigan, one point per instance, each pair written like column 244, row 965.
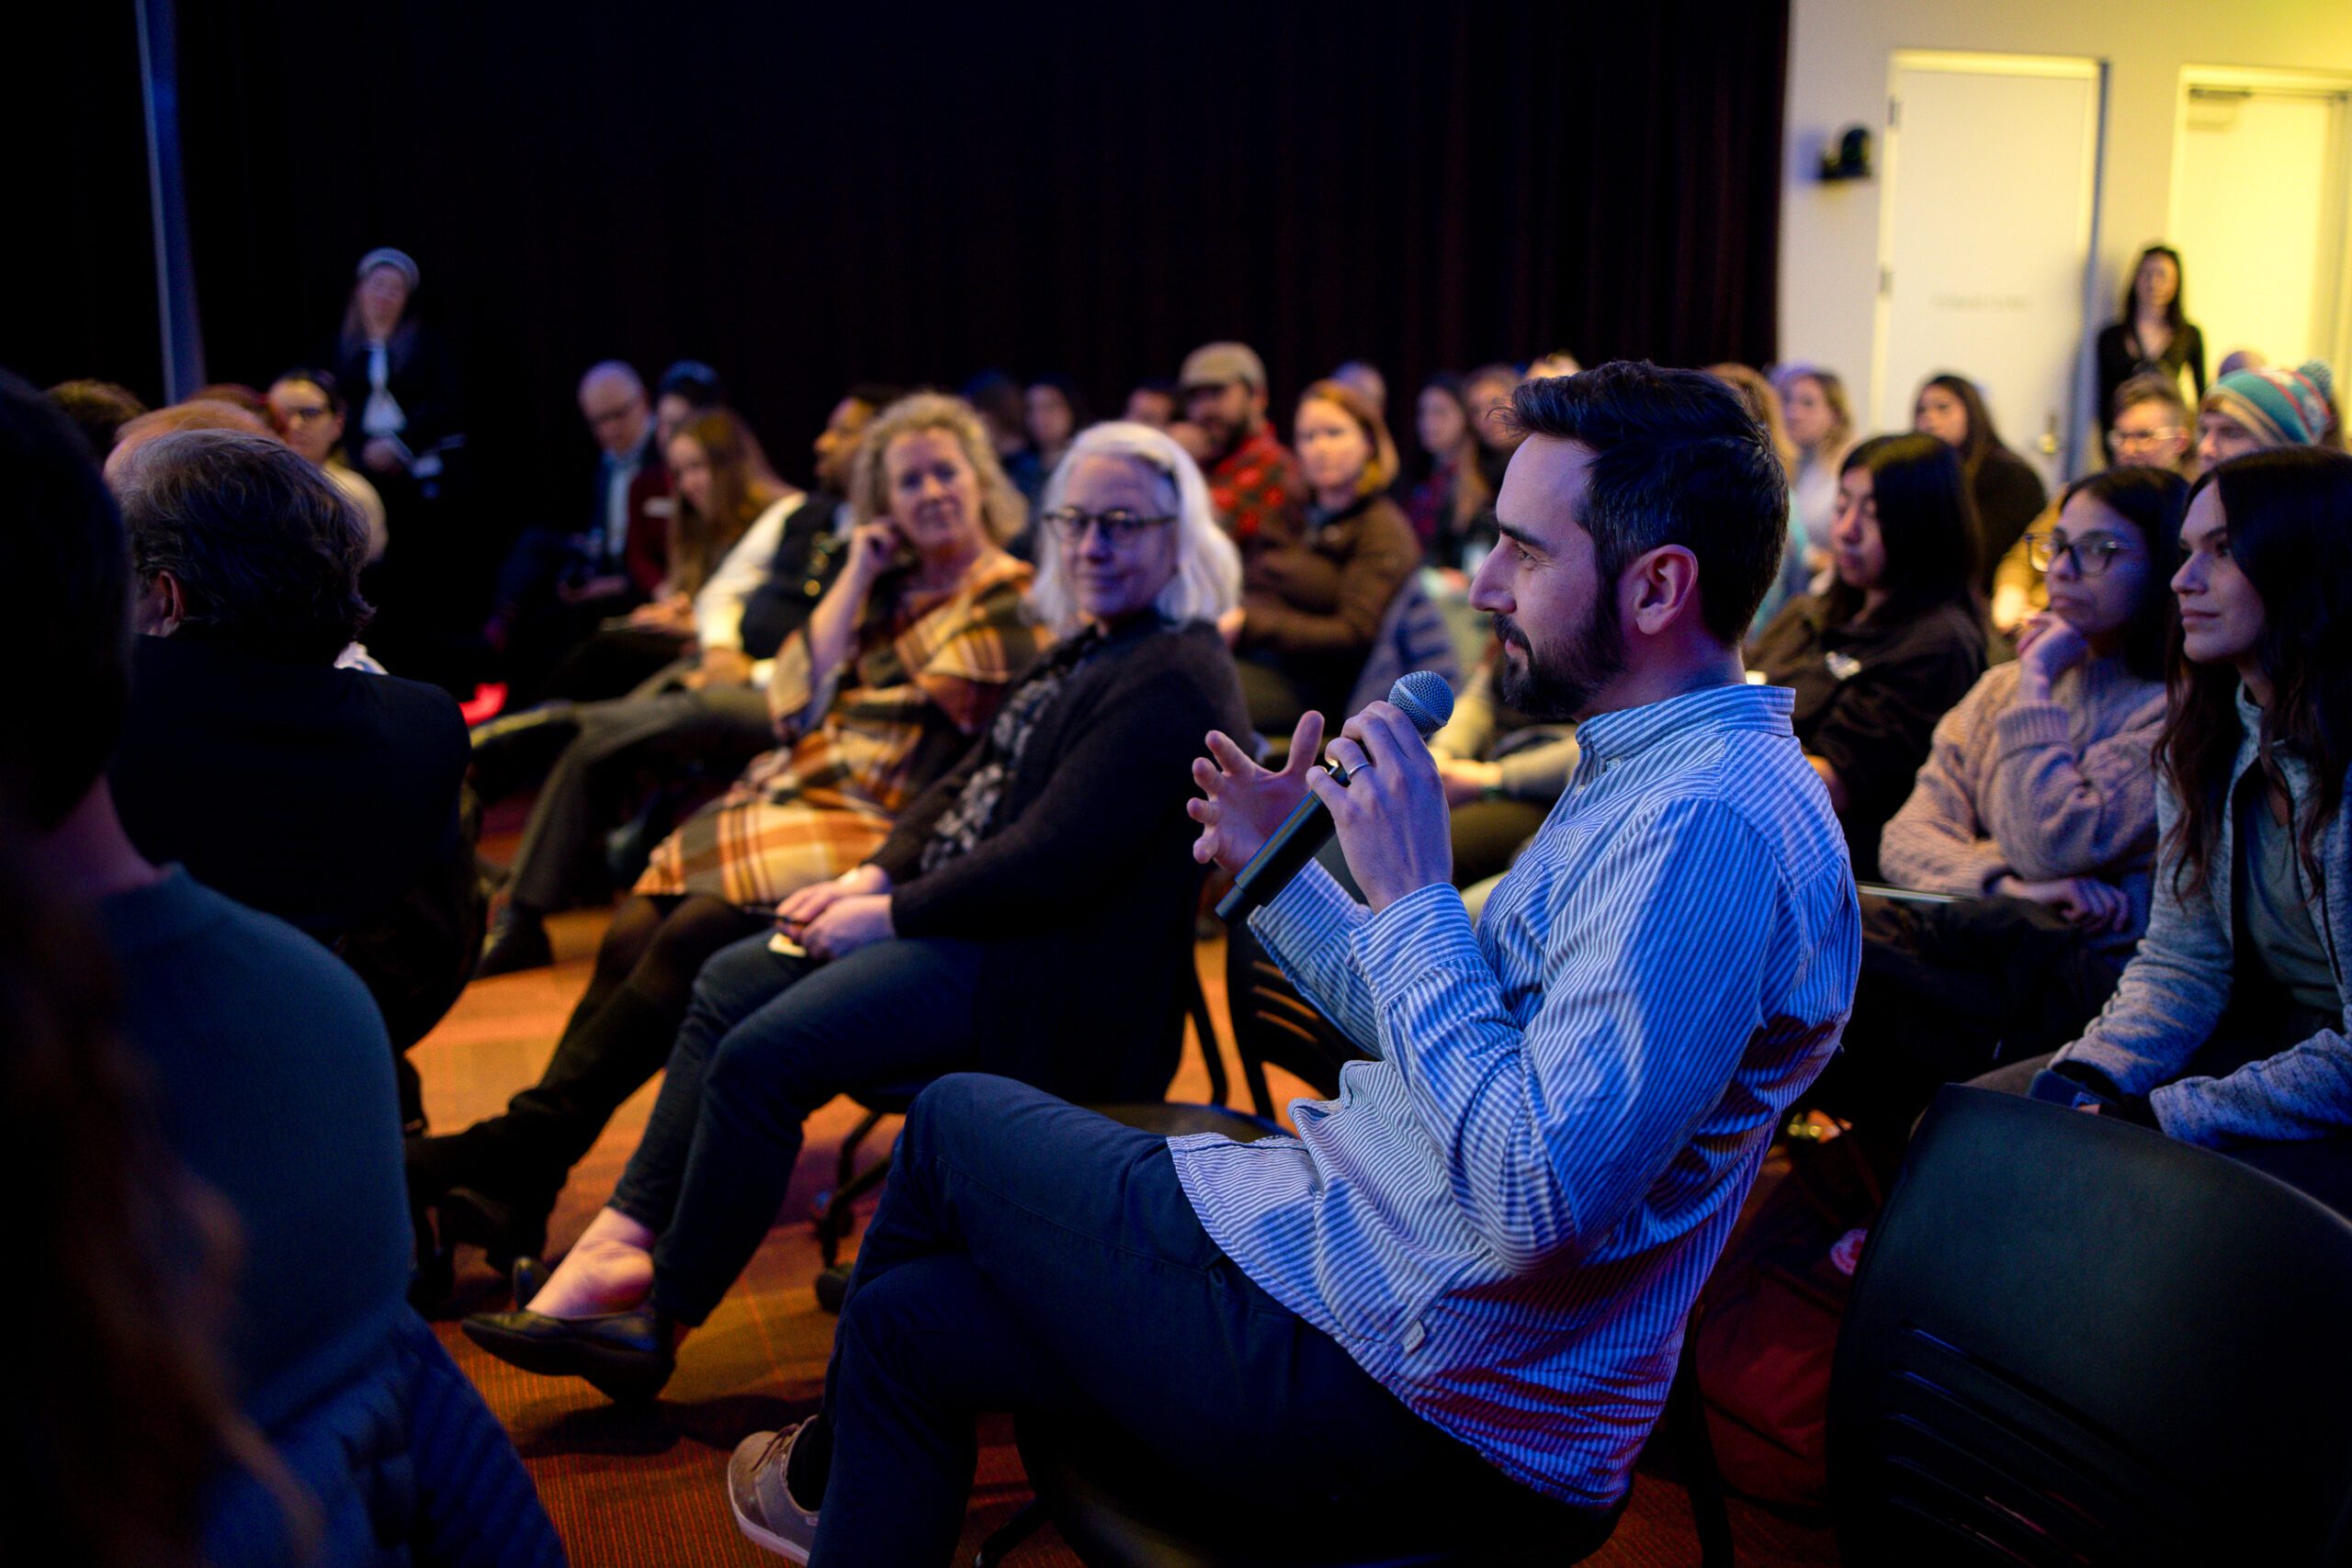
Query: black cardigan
column 1873, row 722
column 1084, row 885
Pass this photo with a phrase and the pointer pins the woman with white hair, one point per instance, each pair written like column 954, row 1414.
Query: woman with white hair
column 1030, row 915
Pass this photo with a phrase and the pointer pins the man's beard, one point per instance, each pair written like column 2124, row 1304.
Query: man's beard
column 1557, row 688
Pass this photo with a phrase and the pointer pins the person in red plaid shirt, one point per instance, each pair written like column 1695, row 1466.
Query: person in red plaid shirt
column 1253, row 479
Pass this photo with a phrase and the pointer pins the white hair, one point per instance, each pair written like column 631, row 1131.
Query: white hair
column 1208, row 569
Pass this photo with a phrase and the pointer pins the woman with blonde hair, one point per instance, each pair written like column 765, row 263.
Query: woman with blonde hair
column 1819, row 420
column 1030, row 915
column 1764, row 408
column 1310, row 610
column 904, row 660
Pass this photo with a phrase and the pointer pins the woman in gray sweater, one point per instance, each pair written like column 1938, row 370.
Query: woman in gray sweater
column 2033, row 819
column 2232, row 1026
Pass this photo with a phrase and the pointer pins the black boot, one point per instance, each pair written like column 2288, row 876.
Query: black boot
column 518, row 941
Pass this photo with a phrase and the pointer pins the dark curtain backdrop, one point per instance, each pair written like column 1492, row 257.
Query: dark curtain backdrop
column 807, row 196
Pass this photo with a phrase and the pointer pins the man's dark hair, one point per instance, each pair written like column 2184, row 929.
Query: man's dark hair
column 693, row 380
column 265, row 549
column 324, row 381
column 1927, row 523
column 67, row 632
column 98, row 409
column 1677, row 460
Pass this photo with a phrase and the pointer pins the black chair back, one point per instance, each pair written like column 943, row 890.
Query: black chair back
column 1271, row 1022
column 2076, row 1341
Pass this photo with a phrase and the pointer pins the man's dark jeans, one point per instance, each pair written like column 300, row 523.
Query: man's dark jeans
column 1029, row 1254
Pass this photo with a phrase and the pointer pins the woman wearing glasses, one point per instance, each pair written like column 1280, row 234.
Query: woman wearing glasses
column 1310, row 610
column 2036, row 811
column 1030, row 915
column 2152, row 428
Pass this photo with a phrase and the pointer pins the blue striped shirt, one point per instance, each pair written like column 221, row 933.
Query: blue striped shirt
column 1505, row 1217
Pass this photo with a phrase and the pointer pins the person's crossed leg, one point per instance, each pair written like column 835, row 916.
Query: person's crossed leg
column 1029, row 1254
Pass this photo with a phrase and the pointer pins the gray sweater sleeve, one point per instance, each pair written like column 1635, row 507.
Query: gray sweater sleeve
column 1936, row 842
column 2174, row 990
column 2304, row 1092
column 2059, row 810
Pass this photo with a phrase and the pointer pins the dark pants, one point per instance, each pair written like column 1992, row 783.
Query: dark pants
column 767, row 1041
column 1948, row 991
column 1032, row 1256
column 596, row 781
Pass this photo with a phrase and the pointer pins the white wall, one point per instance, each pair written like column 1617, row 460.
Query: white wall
column 1839, row 55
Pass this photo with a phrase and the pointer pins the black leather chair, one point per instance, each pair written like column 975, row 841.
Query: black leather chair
column 2075, row 1341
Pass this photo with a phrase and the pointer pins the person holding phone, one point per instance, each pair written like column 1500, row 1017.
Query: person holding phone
column 901, row 664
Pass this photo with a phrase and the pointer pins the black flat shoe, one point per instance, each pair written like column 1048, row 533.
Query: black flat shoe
column 503, row 1228
column 526, row 1278
column 625, row 1356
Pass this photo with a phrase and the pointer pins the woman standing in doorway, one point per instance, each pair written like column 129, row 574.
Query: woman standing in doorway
column 2150, row 335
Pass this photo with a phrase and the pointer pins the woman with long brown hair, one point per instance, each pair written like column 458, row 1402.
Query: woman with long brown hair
column 901, row 664
column 2230, row 1025
column 2008, row 494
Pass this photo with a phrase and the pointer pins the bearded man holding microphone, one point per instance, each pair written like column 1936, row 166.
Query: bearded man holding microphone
column 1464, row 1281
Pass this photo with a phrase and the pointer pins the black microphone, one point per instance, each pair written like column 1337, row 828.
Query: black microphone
column 1422, row 696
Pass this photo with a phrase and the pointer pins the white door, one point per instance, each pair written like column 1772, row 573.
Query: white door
column 2259, row 216
column 1986, row 238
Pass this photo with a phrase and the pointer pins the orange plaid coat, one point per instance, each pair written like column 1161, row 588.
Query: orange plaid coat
column 926, row 679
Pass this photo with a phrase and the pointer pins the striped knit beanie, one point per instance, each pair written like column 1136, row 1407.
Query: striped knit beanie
column 2279, row 408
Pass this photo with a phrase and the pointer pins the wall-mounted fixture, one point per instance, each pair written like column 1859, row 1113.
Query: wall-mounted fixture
column 1849, row 157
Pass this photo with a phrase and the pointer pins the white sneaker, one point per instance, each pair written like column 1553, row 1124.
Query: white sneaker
column 763, row 1508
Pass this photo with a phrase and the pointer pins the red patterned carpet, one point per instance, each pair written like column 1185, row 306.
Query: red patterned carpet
column 644, row 1489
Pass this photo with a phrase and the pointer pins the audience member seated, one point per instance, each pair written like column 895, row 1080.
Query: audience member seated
column 1764, row 406
column 308, row 412
column 1487, row 393
column 2008, row 494
column 686, row 389
column 1030, row 915
column 2150, row 337
column 1153, row 403
column 201, row 413
column 906, row 659
column 272, row 1085
column 1896, row 638
column 723, row 491
column 2259, row 409
column 1054, row 414
column 1502, row 771
column 326, row 796
column 1820, row 421
column 2230, row 1025
column 130, row 1256
column 2150, row 429
column 411, row 409
column 1311, row 607
column 1367, row 382
column 1450, row 493
column 99, row 410
column 710, row 713
column 559, row 583
column 1003, row 408
column 1253, row 479
column 1465, row 1281
column 2036, row 810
